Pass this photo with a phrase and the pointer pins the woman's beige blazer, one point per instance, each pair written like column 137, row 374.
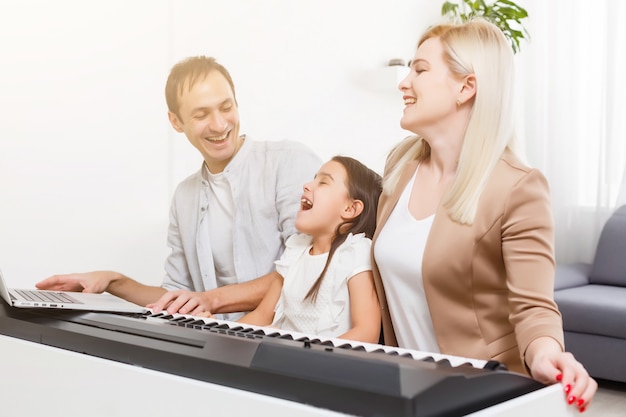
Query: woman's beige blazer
column 489, row 286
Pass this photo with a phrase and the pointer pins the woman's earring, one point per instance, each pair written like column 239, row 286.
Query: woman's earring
column 458, row 102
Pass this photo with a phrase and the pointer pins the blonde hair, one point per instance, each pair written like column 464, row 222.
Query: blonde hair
column 475, row 47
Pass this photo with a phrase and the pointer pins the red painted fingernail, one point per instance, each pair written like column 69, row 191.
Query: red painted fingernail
column 580, row 402
column 568, row 388
column 582, row 409
column 571, row 399
column 559, row 377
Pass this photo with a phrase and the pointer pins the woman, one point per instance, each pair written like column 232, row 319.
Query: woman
column 463, row 251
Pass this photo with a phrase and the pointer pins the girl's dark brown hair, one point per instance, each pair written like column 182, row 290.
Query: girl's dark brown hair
column 365, row 185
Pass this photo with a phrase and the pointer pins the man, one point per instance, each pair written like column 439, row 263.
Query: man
column 229, row 220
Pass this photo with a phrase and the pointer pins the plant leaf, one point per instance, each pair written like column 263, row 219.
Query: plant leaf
column 501, row 12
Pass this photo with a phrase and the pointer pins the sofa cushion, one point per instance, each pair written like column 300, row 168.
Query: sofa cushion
column 609, row 264
column 594, row 309
column 571, row 275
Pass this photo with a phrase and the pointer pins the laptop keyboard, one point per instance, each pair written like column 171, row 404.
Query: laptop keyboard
column 47, row 296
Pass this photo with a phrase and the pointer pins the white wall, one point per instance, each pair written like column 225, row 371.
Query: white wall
column 88, row 161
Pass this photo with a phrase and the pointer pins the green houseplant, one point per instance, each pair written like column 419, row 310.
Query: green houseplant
column 506, row 14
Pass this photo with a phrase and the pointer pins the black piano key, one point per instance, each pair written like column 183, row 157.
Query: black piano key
column 179, row 319
column 195, row 324
column 246, row 330
column 444, row 362
column 495, row 366
column 465, row 365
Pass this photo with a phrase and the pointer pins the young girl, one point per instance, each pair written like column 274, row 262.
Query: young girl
column 324, row 284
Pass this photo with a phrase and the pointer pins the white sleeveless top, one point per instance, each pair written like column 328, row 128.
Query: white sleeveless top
column 399, row 253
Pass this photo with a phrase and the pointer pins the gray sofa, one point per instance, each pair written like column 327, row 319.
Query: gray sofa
column 592, row 300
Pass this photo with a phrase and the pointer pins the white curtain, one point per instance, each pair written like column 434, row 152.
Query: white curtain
column 572, row 95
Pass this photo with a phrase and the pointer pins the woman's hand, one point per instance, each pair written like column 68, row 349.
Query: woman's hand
column 549, row 365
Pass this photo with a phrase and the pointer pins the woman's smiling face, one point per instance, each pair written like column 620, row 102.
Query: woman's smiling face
column 429, row 90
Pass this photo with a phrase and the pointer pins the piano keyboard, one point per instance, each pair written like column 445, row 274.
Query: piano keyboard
column 242, row 329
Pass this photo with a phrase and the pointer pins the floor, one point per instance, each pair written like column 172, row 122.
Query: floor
column 610, row 400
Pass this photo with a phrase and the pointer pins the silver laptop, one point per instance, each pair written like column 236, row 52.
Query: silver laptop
column 66, row 300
